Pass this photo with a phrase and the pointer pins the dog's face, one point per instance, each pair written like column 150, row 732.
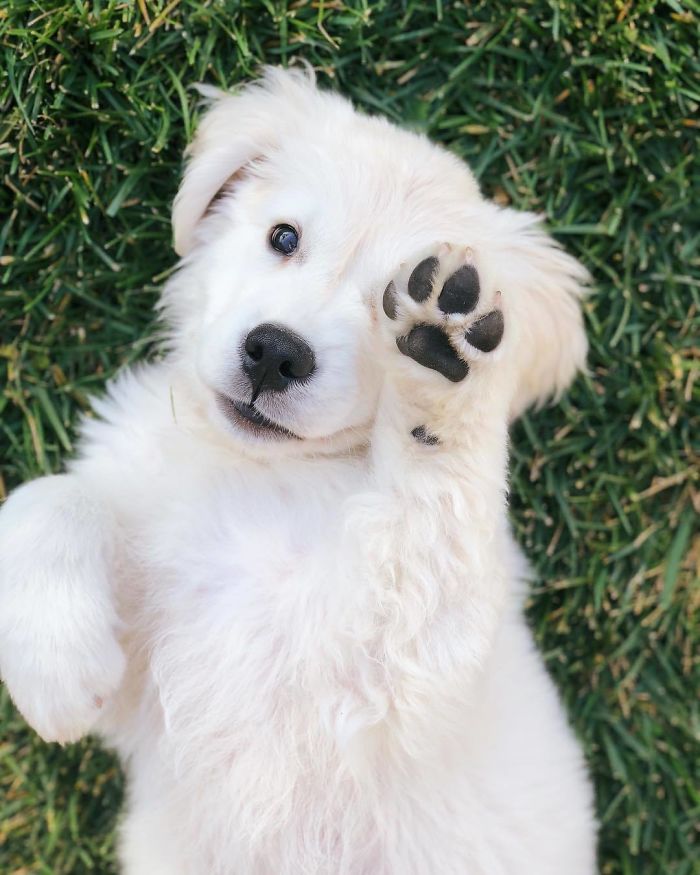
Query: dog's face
column 294, row 214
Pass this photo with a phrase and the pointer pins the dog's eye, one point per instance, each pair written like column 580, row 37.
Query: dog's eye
column 284, row 239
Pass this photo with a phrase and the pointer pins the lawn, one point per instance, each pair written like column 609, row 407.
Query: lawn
column 584, row 112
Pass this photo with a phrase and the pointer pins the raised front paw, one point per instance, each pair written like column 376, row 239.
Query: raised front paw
column 443, row 315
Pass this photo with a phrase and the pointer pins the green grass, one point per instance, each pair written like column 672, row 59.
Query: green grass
column 586, row 112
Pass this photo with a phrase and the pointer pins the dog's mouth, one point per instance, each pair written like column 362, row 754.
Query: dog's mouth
column 247, row 417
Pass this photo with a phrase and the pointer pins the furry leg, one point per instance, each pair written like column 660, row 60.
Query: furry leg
column 431, row 529
column 59, row 654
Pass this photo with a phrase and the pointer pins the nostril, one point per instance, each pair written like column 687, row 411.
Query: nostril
column 254, row 349
column 286, row 370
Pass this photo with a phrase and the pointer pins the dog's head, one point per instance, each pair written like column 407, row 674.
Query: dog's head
column 293, row 214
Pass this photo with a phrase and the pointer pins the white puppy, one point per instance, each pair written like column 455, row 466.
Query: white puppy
column 279, row 578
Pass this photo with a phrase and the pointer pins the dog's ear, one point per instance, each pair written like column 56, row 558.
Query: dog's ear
column 235, row 130
column 544, row 287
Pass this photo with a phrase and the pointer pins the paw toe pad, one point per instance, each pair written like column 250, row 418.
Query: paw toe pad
column 420, row 283
column 389, row 301
column 486, row 333
column 460, row 294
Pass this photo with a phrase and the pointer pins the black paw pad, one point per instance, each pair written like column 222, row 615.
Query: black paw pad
column 460, row 294
column 389, row 301
column 486, row 333
column 423, row 436
column 430, row 347
column 420, row 283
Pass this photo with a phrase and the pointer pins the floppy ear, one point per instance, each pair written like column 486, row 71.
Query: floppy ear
column 236, row 129
column 543, row 287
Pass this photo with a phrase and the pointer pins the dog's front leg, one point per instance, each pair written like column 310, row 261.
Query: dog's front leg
column 59, row 654
column 432, row 528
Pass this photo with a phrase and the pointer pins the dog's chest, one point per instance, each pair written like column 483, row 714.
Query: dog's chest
column 240, row 586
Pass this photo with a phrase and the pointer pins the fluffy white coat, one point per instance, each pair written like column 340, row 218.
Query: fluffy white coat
column 310, row 654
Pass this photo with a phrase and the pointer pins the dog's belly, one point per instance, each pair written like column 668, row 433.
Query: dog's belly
column 247, row 682
column 246, row 714
column 262, row 776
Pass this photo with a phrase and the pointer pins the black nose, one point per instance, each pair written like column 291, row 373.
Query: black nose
column 275, row 358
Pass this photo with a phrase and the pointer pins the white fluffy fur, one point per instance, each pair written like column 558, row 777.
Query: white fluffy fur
column 310, row 655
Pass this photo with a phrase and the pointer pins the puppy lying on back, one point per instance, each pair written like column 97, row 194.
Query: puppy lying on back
column 279, row 578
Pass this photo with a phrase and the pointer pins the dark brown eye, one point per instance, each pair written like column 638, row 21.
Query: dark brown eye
column 284, row 239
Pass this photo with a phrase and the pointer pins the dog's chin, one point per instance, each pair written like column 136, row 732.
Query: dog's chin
column 262, row 435
column 247, row 420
